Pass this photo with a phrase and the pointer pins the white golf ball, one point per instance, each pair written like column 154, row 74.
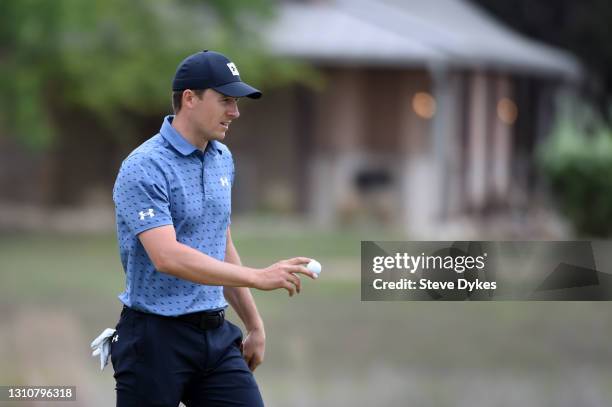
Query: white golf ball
column 314, row 266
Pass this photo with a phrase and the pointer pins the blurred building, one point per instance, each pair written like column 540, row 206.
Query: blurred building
column 428, row 111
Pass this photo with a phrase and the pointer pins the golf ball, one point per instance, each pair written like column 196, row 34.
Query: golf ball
column 314, row 266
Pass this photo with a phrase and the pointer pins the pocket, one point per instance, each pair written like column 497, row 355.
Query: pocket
column 126, row 344
column 138, row 335
column 236, row 334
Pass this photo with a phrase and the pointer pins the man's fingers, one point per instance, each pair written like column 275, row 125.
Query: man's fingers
column 289, row 287
column 249, row 360
column 295, row 280
column 301, row 270
column 248, row 355
column 254, row 362
column 298, row 260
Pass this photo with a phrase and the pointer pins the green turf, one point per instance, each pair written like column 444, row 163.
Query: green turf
column 327, row 339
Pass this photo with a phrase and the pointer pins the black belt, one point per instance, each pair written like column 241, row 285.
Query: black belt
column 204, row 319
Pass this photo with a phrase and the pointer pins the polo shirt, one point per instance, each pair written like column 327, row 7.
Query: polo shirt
column 168, row 181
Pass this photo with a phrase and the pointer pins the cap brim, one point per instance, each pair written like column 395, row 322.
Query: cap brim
column 238, row 90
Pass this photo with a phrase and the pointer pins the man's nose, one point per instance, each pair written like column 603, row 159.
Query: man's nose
column 233, row 111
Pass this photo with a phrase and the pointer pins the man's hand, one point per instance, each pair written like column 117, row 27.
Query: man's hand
column 283, row 275
column 253, row 348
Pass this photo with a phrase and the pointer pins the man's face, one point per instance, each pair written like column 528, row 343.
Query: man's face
column 213, row 114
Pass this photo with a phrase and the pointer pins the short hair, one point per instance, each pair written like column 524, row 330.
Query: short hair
column 177, row 98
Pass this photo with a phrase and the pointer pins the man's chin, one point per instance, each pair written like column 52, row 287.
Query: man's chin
column 219, row 136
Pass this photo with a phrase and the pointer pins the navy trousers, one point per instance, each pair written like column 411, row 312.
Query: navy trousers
column 161, row 361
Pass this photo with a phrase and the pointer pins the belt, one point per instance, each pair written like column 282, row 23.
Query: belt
column 204, row 319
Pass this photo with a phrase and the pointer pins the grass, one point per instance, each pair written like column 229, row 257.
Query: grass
column 325, row 339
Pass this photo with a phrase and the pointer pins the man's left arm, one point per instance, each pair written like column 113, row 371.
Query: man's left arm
column 241, row 300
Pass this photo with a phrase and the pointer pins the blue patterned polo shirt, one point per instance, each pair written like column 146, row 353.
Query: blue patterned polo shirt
column 168, row 181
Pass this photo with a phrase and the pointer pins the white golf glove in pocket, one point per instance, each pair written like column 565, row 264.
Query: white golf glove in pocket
column 101, row 346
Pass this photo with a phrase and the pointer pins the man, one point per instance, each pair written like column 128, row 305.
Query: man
column 173, row 202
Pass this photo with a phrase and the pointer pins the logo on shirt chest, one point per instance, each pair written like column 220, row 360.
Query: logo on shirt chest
column 149, row 212
column 224, row 182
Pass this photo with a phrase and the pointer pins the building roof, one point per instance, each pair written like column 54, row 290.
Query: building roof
column 410, row 33
column 327, row 33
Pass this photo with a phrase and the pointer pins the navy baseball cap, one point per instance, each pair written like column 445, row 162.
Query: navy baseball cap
column 209, row 69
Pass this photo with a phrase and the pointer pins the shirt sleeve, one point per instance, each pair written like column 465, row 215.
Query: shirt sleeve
column 141, row 195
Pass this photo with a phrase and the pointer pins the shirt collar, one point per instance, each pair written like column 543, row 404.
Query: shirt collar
column 177, row 141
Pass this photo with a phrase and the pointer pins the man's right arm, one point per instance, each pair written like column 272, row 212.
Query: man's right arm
column 181, row 261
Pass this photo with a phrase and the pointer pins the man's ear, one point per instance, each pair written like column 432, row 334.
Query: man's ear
column 188, row 96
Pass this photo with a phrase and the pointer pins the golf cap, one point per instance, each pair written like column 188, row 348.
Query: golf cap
column 209, row 69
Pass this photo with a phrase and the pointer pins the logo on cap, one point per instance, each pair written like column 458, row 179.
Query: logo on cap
column 232, row 67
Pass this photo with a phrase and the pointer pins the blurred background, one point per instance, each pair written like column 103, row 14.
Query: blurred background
column 381, row 120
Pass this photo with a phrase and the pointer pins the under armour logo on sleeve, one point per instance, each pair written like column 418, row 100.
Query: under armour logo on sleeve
column 224, row 181
column 148, row 213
